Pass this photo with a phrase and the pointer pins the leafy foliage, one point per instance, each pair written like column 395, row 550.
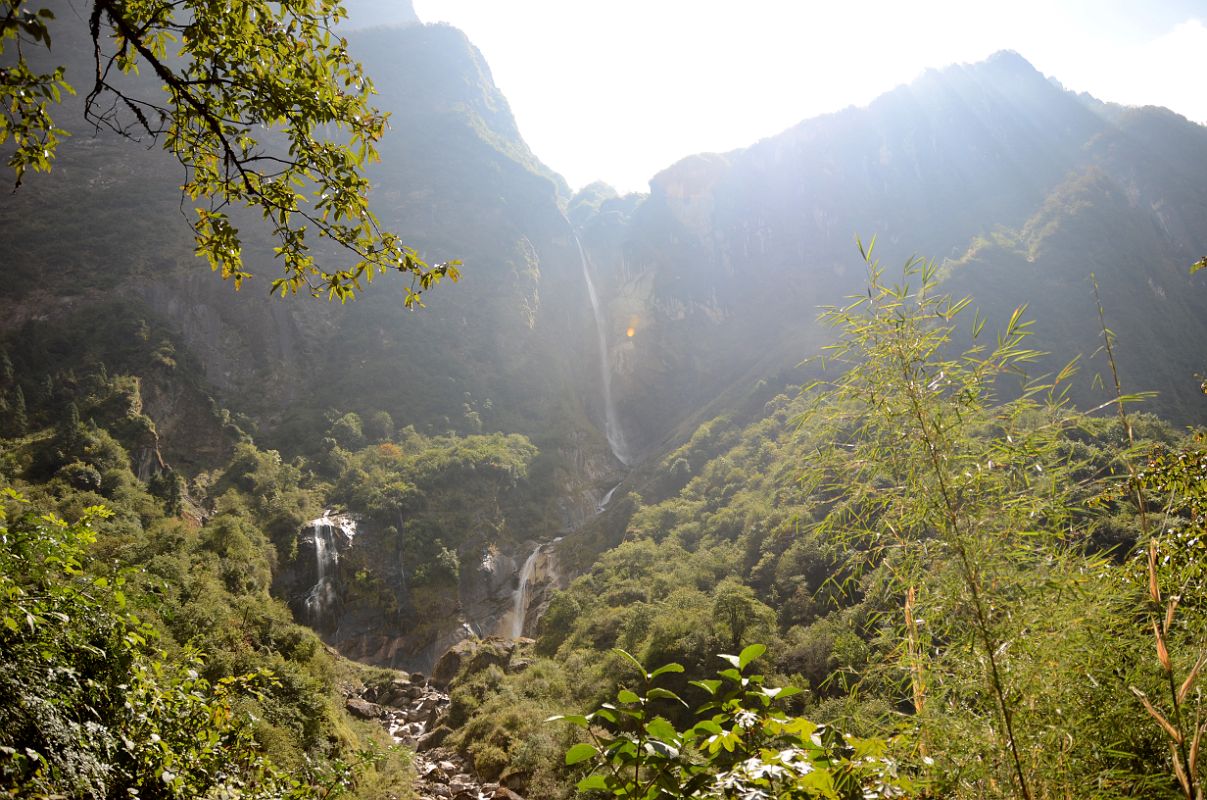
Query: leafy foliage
column 891, row 603
column 262, row 106
column 740, row 745
column 26, row 94
column 141, row 647
column 90, row 708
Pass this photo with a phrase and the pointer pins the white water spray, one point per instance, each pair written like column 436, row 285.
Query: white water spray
column 523, row 594
column 323, row 594
column 607, row 498
column 612, row 429
column 522, row 597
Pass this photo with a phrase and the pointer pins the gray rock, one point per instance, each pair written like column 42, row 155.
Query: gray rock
column 362, row 708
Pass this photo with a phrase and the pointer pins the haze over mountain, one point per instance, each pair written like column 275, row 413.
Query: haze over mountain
column 605, row 368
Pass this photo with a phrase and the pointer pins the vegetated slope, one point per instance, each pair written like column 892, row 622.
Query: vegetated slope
column 150, row 655
column 102, row 280
column 499, row 351
column 720, row 269
column 910, row 548
column 717, row 274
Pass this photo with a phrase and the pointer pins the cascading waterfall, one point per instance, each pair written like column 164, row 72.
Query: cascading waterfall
column 522, row 597
column 323, row 594
column 612, row 429
column 523, row 594
column 607, row 498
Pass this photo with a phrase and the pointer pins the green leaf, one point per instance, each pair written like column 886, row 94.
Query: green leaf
column 665, row 668
column 750, row 654
column 781, row 692
column 709, row 686
column 627, row 696
column 580, row 753
column 659, row 728
column 820, row 781
column 594, row 781
column 658, row 693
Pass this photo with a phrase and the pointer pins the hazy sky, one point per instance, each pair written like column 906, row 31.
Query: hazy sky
column 616, row 90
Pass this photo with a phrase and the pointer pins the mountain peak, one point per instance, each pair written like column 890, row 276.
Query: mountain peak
column 1009, row 60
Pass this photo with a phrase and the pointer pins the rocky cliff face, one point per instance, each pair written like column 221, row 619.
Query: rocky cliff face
column 350, row 582
column 704, row 287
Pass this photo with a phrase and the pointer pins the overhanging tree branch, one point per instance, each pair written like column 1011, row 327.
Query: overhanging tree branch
column 244, row 86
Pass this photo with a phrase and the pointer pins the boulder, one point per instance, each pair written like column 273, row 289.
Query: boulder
column 472, row 655
column 359, row 707
column 433, row 739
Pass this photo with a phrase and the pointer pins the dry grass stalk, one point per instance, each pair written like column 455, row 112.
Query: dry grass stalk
column 1185, row 763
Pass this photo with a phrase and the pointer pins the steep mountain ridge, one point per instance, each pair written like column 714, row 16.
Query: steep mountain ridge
column 455, row 178
column 722, row 265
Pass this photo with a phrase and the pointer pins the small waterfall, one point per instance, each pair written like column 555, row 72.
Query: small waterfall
column 512, row 625
column 523, row 594
column 612, row 429
column 607, row 498
column 323, row 595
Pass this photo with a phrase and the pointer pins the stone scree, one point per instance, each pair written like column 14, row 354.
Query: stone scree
column 413, row 710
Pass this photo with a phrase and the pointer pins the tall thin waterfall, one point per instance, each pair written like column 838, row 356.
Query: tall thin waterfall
column 523, row 594
column 612, row 429
column 402, row 564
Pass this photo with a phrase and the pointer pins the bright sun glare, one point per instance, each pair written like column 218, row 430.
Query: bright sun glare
column 619, row 90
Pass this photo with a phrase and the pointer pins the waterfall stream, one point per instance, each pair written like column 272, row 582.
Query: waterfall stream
column 527, row 579
column 523, row 594
column 612, row 429
column 323, row 594
column 513, row 623
column 607, row 498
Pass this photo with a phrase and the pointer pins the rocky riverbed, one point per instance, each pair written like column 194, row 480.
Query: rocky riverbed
column 413, row 708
